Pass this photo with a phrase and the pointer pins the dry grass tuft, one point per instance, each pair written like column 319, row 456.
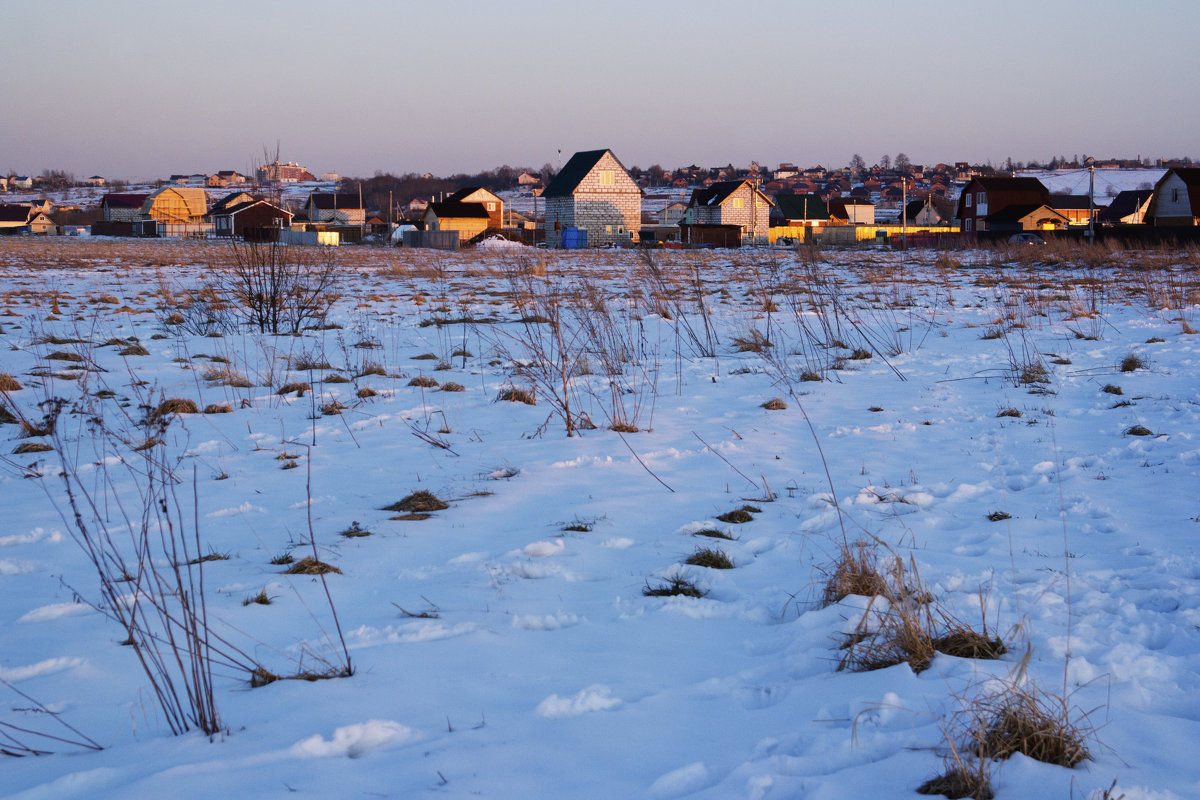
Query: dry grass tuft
column 226, row 376
column 299, row 387
column 712, row 559
column 713, row 533
column 512, row 394
column 365, row 392
column 999, row 516
column 31, row 447
column 418, row 501
column 961, row 782
column 174, row 405
column 8, row 383
column 1132, row 363
column 753, row 342
column 1110, row 388
column 424, row 382
column 775, row 404
column 355, row 531
column 218, row 408
column 855, row 572
column 133, row 350
column 1029, row 721
column 1008, row 412
column 311, row 566
column 1138, row 430
column 451, row 386
column 740, row 516
column 673, row 587
column 62, row 355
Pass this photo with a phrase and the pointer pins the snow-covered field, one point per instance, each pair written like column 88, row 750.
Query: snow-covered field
column 503, row 647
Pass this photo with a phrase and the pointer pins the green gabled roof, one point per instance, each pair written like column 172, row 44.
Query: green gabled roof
column 801, row 206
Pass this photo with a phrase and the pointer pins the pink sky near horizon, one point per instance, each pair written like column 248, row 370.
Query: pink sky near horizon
column 143, row 90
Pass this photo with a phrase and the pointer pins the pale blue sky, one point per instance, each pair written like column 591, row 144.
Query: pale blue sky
column 144, row 89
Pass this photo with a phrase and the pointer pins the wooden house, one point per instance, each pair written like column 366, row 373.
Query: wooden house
column 468, row 219
column 595, row 193
column 735, row 203
column 1018, row 217
column 1079, row 209
column 1176, row 198
column 477, row 194
column 984, row 196
column 933, row 211
column 176, row 205
column 249, row 218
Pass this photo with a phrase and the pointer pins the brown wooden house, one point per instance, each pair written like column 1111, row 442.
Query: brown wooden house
column 252, row 219
column 477, row 194
column 984, row 196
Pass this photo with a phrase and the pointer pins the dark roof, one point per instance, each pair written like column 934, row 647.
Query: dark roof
column 1013, row 213
column 716, row 194
column 124, row 200
column 328, row 200
column 454, row 208
column 228, row 201
column 1124, row 204
column 466, row 191
column 240, row 207
column 801, row 206
column 575, row 170
column 913, row 208
column 11, row 213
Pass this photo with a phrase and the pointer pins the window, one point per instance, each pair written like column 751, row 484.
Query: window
column 606, row 177
column 966, row 225
column 1174, row 195
column 968, row 201
column 979, row 198
column 738, row 202
column 491, row 206
column 608, row 228
column 758, row 203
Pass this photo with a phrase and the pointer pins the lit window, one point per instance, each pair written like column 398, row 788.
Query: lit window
column 606, row 177
column 608, row 228
column 737, row 202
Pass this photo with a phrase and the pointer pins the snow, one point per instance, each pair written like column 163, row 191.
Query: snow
column 503, row 647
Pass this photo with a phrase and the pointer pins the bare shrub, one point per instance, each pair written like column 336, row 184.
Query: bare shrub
column 279, row 288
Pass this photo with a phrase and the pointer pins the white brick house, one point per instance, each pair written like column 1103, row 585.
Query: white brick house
column 593, row 191
column 737, row 203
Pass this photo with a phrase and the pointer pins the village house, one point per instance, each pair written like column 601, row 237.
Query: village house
column 801, row 211
column 477, row 194
column 1019, row 217
column 468, row 219
column 934, row 211
column 593, row 192
column 24, row 218
column 95, row 180
column 1127, row 208
column 987, row 195
column 249, row 218
column 276, row 172
column 851, row 211
column 122, row 206
column 736, row 205
column 173, row 211
column 1176, row 198
column 335, row 208
column 1077, row 208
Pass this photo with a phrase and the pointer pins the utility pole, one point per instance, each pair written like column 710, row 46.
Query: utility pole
column 904, row 211
column 1091, row 199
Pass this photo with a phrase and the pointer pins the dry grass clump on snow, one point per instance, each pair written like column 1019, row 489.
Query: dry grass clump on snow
column 675, row 586
column 740, row 516
column 420, row 501
column 174, row 405
column 423, row 382
column 710, row 558
column 311, row 566
column 855, row 571
column 299, row 387
column 512, row 394
column 775, row 404
column 8, row 383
